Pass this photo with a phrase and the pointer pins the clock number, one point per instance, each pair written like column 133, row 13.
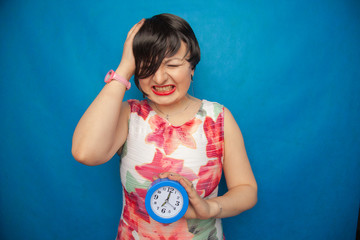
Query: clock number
column 163, row 210
column 171, row 189
column 156, row 197
column 177, row 203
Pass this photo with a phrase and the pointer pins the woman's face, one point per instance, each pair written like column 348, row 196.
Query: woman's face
column 170, row 83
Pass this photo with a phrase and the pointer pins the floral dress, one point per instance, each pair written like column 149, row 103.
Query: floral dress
column 195, row 150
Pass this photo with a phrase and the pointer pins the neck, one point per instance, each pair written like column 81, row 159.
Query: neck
column 174, row 109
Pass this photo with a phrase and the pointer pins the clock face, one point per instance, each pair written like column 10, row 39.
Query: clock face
column 166, row 202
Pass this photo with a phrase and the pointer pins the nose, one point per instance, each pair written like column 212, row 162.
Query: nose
column 160, row 76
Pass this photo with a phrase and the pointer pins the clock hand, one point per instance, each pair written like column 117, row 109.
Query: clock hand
column 168, row 196
column 167, row 199
column 170, row 204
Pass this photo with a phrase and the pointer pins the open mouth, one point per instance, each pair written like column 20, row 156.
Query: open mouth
column 163, row 90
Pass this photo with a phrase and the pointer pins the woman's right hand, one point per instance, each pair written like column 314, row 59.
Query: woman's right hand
column 126, row 67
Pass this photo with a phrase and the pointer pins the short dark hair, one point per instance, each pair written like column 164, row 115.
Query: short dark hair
column 160, row 37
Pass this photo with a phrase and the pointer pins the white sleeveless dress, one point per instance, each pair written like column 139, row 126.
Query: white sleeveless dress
column 195, row 150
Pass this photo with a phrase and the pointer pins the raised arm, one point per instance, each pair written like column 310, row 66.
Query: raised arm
column 103, row 128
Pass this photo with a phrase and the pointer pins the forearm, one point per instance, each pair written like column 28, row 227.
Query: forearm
column 234, row 202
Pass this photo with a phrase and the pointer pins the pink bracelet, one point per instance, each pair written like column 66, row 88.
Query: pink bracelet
column 111, row 75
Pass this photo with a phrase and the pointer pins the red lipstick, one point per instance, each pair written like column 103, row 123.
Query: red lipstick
column 163, row 90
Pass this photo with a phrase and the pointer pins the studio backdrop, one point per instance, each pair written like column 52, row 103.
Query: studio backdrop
column 287, row 70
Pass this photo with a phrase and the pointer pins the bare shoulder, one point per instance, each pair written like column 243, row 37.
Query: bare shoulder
column 232, row 134
column 230, row 124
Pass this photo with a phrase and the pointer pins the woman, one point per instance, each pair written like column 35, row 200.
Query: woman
column 170, row 134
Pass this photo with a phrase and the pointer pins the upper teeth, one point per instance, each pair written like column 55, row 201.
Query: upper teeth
column 166, row 88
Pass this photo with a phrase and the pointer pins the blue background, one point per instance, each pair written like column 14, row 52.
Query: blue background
column 288, row 71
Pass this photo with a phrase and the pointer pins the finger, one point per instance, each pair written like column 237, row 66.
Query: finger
column 186, row 183
column 189, row 186
column 170, row 175
column 164, row 174
column 174, row 176
column 135, row 28
column 131, row 30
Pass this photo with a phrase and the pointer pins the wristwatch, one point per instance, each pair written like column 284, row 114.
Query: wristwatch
column 111, row 75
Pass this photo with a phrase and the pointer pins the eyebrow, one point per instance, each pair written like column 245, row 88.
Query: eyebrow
column 175, row 58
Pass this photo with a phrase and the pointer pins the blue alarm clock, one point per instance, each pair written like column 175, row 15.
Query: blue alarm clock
column 166, row 200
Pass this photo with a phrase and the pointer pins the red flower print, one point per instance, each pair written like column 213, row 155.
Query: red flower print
column 141, row 108
column 210, row 175
column 135, row 208
column 161, row 163
column 169, row 137
column 124, row 231
column 215, row 135
column 174, row 231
